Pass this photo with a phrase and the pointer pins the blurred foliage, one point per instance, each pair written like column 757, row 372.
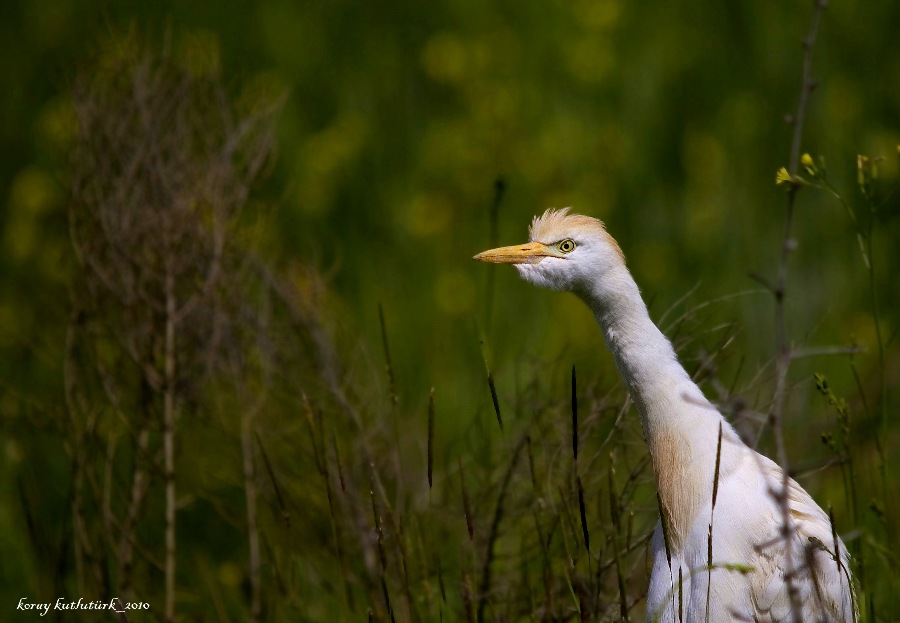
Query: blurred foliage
column 666, row 120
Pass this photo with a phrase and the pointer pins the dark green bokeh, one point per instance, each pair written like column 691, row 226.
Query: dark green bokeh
column 666, row 120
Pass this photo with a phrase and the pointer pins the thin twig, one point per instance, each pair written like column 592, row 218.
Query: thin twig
column 782, row 339
column 169, row 415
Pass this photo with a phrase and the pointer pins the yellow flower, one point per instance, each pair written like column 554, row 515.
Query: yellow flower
column 783, row 177
column 809, row 164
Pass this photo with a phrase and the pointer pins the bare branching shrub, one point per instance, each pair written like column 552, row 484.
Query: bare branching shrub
column 162, row 171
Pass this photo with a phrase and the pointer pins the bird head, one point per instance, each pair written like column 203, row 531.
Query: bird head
column 565, row 252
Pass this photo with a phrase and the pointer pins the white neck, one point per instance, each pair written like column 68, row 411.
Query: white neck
column 644, row 356
column 678, row 421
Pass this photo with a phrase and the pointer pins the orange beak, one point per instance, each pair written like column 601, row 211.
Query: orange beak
column 530, row 253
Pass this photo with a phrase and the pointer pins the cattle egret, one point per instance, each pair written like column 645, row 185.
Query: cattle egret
column 748, row 578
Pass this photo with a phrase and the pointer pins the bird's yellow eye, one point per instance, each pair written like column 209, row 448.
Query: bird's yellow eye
column 566, row 246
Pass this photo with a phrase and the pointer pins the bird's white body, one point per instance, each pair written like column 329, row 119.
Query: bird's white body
column 750, row 559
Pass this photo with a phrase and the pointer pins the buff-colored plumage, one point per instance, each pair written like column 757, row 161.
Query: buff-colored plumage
column 681, row 428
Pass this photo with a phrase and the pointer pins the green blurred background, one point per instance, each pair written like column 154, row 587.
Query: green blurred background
column 664, row 119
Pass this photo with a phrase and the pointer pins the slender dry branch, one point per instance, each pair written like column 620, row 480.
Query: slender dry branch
column 252, row 524
column 169, row 444
column 782, row 339
column 138, row 489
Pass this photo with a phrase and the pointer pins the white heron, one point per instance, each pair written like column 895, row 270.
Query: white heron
column 748, row 578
